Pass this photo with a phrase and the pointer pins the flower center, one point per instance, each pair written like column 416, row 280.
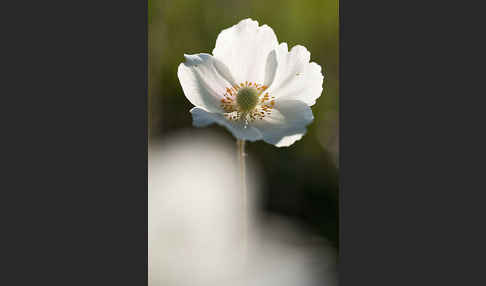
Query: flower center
column 247, row 99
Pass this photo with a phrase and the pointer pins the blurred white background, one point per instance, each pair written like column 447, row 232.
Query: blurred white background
column 196, row 222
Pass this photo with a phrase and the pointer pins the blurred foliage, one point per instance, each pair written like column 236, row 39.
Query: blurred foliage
column 301, row 181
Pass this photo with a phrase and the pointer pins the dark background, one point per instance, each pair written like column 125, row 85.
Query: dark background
column 301, row 182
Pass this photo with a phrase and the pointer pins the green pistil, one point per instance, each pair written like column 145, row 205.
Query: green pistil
column 247, row 99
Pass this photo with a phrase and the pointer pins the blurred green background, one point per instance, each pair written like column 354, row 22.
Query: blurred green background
column 302, row 180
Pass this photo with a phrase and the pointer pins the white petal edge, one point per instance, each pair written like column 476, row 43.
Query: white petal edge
column 286, row 123
column 203, row 118
column 289, row 140
column 293, row 77
column 204, row 80
column 244, row 48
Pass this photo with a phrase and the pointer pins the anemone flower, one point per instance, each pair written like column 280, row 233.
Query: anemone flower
column 252, row 85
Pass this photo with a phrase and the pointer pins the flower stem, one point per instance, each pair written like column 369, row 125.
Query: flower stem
column 244, row 192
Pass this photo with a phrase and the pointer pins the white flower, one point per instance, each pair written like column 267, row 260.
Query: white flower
column 253, row 85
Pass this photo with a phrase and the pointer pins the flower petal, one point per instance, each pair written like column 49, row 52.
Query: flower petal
column 288, row 140
column 202, row 118
column 271, row 68
column 204, row 80
column 294, row 78
column 286, row 123
column 244, row 48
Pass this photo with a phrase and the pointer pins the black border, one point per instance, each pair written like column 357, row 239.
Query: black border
column 76, row 145
column 407, row 189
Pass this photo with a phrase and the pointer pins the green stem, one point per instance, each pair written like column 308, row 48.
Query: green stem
column 244, row 192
